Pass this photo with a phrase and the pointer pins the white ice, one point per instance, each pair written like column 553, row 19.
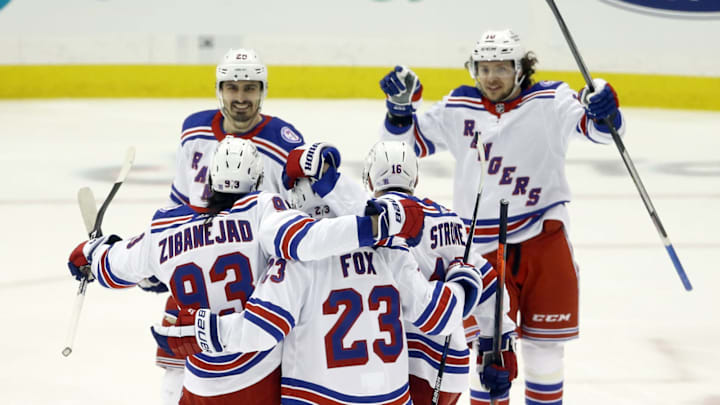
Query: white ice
column 644, row 339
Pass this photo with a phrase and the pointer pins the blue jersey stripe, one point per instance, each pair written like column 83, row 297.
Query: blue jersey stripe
column 465, row 106
column 190, row 138
column 292, row 382
column 298, row 237
column 437, row 346
column 418, row 354
column 278, row 310
column 113, row 277
column 206, row 374
column 280, row 235
column 265, row 325
column 431, row 306
column 443, row 322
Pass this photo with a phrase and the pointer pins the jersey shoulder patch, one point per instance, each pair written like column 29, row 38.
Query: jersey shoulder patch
column 282, row 134
column 199, row 119
column 544, row 85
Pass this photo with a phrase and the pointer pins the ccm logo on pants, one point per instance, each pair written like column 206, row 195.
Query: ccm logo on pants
column 551, row 317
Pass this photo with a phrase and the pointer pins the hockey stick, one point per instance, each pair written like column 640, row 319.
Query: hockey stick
column 623, row 153
column 93, row 221
column 500, row 284
column 88, row 210
column 441, row 370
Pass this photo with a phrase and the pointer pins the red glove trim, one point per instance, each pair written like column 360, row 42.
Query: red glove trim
column 292, row 167
column 414, row 219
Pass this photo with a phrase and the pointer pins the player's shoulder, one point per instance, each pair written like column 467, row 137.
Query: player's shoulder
column 198, row 127
column 391, row 245
column 394, row 253
column 430, row 207
column 172, row 217
column 199, row 119
column 465, row 91
column 544, row 86
column 276, row 199
column 281, row 133
column 246, row 202
column 173, row 211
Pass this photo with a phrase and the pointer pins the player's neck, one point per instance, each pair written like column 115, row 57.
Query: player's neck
column 231, row 126
column 513, row 94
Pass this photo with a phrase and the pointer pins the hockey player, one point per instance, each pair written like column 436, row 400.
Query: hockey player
column 213, row 260
column 241, row 86
column 391, row 168
column 339, row 319
column 523, row 129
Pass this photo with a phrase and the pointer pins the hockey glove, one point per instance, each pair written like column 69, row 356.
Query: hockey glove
column 195, row 331
column 497, row 378
column 309, row 162
column 397, row 217
column 602, row 103
column 152, row 284
column 403, row 90
column 81, row 257
column 470, row 279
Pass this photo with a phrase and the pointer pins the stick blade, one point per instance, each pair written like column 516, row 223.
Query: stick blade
column 127, row 164
column 88, row 209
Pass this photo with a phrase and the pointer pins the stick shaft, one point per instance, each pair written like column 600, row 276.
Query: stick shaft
column 624, row 153
column 86, row 201
column 124, row 170
column 500, row 286
column 75, row 317
column 500, row 283
column 466, row 255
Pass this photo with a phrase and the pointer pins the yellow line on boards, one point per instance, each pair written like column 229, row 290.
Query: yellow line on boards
column 170, row 81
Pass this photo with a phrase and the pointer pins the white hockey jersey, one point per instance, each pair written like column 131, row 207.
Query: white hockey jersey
column 525, row 142
column 202, row 131
column 217, row 264
column 340, row 321
column 442, row 241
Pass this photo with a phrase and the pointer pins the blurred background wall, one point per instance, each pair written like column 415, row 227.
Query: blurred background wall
column 663, row 57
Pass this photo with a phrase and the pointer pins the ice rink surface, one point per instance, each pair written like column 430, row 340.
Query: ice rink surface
column 643, row 338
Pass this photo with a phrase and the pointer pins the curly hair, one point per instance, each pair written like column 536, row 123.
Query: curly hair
column 528, row 67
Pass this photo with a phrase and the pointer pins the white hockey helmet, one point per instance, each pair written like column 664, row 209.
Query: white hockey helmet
column 305, row 199
column 237, row 167
column 391, row 164
column 240, row 64
column 500, row 45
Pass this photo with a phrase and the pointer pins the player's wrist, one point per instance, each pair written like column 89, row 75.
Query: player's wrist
column 207, row 332
column 367, row 230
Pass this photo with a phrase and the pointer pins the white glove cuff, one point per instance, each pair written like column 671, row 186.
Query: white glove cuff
column 206, row 331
